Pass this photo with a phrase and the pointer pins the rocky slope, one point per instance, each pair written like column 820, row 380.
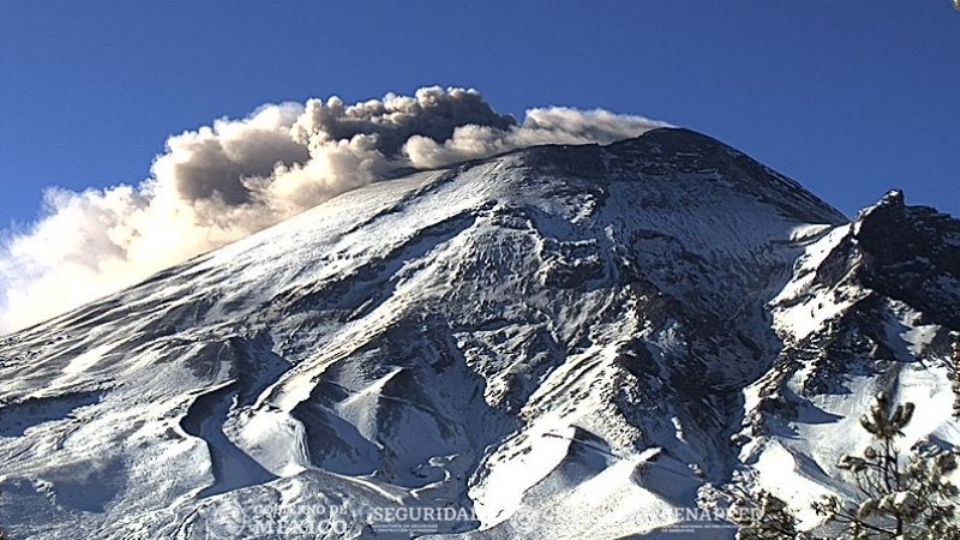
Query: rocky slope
column 556, row 341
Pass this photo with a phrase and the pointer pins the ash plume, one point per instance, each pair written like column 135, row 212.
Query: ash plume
column 225, row 181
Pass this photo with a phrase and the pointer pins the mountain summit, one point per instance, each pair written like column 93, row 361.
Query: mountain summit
column 557, row 341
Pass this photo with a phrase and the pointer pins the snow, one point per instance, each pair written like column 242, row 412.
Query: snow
column 85, row 360
column 805, row 306
column 782, row 475
column 549, row 338
column 920, row 337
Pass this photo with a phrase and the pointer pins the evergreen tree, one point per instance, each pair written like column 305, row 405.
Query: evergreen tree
column 899, row 496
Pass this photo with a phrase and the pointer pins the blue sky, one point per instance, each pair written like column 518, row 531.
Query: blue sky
column 850, row 98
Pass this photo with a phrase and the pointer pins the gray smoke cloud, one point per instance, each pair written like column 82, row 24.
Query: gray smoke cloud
column 223, row 182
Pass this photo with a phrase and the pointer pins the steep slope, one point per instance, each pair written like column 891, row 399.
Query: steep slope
column 554, row 341
column 873, row 306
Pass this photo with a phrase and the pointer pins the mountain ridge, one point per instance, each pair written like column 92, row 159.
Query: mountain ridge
column 520, row 336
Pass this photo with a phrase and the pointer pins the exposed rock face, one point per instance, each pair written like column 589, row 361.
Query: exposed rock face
column 559, row 340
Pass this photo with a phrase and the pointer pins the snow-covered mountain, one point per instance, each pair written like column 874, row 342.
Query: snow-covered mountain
column 558, row 341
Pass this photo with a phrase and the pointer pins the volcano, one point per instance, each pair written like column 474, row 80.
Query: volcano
column 555, row 342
